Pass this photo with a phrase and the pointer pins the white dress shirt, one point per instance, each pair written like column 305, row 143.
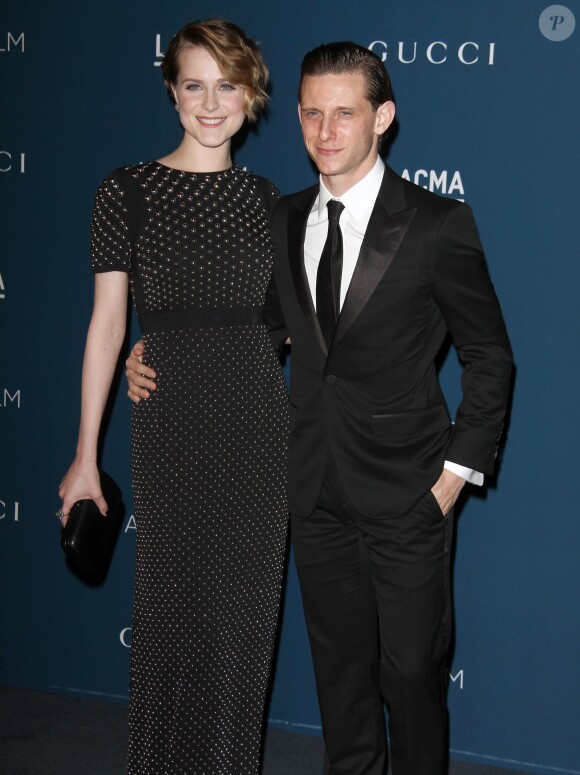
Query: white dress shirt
column 358, row 204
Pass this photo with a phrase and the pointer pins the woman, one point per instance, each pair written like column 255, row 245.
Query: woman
column 189, row 233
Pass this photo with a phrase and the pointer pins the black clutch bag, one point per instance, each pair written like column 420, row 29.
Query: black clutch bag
column 88, row 538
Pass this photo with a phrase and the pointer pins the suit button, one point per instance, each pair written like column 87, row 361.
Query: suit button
column 331, row 379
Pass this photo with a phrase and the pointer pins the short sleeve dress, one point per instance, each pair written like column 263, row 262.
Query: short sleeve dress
column 208, row 462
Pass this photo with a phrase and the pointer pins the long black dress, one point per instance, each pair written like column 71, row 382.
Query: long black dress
column 209, row 462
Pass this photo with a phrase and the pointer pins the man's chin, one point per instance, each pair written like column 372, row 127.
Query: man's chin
column 326, row 166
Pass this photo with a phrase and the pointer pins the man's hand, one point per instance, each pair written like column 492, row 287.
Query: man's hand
column 446, row 490
column 139, row 376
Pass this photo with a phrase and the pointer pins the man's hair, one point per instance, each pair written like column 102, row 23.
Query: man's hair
column 349, row 57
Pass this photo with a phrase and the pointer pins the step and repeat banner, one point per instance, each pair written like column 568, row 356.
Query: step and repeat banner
column 488, row 103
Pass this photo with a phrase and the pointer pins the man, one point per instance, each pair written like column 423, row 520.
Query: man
column 367, row 287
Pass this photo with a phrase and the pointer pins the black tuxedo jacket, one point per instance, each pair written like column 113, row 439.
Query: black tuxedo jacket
column 374, row 398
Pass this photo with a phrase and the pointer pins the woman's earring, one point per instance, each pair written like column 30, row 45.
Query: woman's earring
column 177, row 106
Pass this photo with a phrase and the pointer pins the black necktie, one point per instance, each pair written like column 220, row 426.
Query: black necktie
column 330, row 273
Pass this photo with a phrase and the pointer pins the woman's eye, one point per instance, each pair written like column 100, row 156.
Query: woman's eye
column 227, row 87
column 193, row 86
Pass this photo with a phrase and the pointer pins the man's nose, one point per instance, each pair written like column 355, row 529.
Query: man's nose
column 327, row 130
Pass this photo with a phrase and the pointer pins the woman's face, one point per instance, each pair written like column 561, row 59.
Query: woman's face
column 210, row 106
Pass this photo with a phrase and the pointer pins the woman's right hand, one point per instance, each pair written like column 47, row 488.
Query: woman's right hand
column 104, row 339
column 81, row 482
column 139, row 376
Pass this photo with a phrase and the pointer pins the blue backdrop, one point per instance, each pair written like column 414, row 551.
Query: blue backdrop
column 488, row 106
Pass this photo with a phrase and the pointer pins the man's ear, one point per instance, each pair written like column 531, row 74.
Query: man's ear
column 299, row 114
column 385, row 116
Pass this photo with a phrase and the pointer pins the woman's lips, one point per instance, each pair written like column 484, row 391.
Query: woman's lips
column 210, row 122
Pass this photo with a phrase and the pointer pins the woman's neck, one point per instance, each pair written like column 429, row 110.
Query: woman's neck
column 195, row 158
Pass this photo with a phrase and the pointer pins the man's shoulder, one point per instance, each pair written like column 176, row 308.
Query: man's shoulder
column 425, row 200
column 299, row 199
column 290, row 205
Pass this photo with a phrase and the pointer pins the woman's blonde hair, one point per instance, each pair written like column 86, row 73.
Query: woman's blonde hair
column 237, row 56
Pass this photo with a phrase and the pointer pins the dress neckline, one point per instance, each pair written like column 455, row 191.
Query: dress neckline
column 225, row 173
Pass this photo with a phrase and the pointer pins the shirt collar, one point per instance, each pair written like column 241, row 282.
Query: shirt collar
column 360, row 199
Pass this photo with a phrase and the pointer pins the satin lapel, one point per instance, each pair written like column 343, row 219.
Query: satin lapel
column 297, row 219
column 383, row 238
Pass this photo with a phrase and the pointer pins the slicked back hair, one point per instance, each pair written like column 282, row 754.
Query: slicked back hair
column 347, row 57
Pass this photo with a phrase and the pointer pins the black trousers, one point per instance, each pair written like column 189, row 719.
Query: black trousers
column 377, row 605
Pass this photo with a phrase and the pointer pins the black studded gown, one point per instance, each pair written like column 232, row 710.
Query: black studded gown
column 209, row 463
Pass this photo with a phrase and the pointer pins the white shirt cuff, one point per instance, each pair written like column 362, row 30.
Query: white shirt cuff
column 471, row 476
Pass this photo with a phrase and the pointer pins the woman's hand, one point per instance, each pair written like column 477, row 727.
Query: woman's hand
column 81, row 482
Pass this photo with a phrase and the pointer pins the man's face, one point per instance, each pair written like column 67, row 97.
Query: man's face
column 341, row 130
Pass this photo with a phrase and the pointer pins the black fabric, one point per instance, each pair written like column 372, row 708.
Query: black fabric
column 330, row 273
column 376, row 601
column 202, row 318
column 420, row 276
column 370, row 541
column 208, row 460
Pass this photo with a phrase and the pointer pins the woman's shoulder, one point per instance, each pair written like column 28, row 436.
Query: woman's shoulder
column 267, row 191
column 129, row 172
column 124, row 191
column 124, row 185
